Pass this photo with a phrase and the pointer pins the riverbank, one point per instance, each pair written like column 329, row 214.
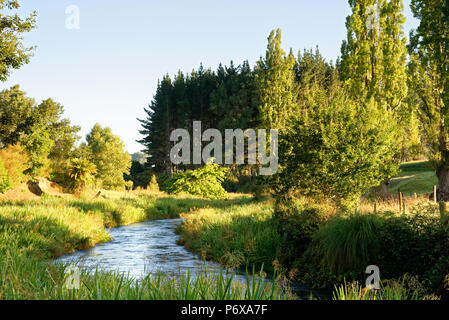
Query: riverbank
column 322, row 247
column 34, row 232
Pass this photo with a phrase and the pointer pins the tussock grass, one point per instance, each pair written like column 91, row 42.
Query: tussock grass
column 348, row 240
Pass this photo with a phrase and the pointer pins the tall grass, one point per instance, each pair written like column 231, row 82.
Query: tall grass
column 237, row 236
column 32, row 232
column 395, row 290
column 348, row 240
column 30, row 278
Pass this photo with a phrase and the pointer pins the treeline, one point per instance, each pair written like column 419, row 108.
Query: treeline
column 36, row 141
column 297, row 95
column 222, row 99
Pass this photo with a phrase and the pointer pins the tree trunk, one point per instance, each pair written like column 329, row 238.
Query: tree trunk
column 443, row 183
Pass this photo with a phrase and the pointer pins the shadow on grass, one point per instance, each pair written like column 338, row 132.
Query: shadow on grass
column 39, row 237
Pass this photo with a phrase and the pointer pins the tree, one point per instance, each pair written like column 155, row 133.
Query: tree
column 107, row 152
column 429, row 69
column 80, row 173
column 373, row 64
column 374, row 55
column 13, row 53
column 39, row 129
column 335, row 148
column 156, row 128
column 16, row 116
column 276, row 82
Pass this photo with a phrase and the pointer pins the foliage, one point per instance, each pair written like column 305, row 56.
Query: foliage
column 429, row 78
column 391, row 290
column 38, row 127
column 80, row 173
column 107, row 152
column 222, row 99
column 14, row 53
column 153, row 186
column 416, row 244
column 276, row 84
column 241, row 234
column 298, row 220
column 336, row 148
column 5, row 184
column 373, row 62
column 16, row 163
column 139, row 174
column 205, row 181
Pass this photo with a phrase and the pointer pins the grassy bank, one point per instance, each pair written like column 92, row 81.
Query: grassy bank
column 239, row 236
column 33, row 232
column 322, row 247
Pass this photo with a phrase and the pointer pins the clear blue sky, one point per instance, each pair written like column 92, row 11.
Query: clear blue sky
column 107, row 71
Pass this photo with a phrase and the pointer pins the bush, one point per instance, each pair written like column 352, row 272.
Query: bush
column 5, row 185
column 415, row 244
column 298, row 220
column 15, row 161
column 80, row 174
column 153, row 186
column 205, row 181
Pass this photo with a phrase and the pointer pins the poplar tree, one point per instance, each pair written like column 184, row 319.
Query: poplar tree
column 275, row 78
column 373, row 65
column 374, row 55
column 429, row 69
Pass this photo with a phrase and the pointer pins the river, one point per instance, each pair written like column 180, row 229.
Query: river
column 147, row 248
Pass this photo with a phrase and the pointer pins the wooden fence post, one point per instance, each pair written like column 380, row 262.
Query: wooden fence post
column 400, row 200
column 435, row 194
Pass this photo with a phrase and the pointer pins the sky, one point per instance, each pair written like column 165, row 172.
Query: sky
column 107, row 70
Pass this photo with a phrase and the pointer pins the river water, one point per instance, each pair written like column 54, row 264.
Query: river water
column 139, row 249
column 148, row 248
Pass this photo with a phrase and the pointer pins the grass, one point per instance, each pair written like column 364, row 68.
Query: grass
column 27, row 278
column 34, row 232
column 414, row 177
column 394, row 290
column 348, row 240
column 238, row 236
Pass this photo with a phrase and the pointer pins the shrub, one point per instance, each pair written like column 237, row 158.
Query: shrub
column 5, row 185
column 15, row 161
column 205, row 181
column 415, row 244
column 80, row 174
column 298, row 220
column 153, row 186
